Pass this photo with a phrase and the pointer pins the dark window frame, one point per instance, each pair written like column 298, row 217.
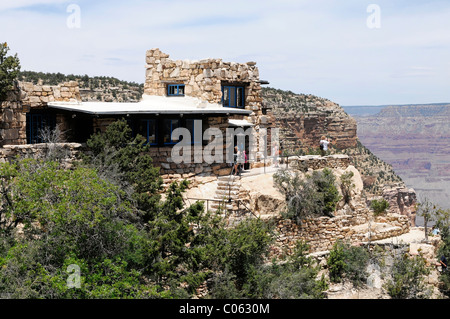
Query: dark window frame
column 36, row 121
column 233, row 102
column 178, row 89
column 147, row 137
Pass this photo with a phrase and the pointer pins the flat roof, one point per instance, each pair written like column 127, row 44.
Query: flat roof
column 150, row 104
column 242, row 123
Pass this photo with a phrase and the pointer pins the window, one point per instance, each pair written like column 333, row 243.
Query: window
column 147, row 128
column 190, row 125
column 169, row 126
column 233, row 96
column 175, row 90
column 36, row 122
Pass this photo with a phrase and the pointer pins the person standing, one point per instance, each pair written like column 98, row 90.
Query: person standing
column 443, row 263
column 324, row 145
column 275, row 153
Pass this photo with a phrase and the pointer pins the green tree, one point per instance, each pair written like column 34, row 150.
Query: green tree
column 407, row 280
column 124, row 160
column 69, row 217
column 309, row 195
column 379, row 206
column 347, row 261
column 428, row 211
column 443, row 224
column 347, row 186
column 9, row 70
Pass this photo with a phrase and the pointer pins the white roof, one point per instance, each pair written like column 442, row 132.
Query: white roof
column 150, row 104
column 240, row 122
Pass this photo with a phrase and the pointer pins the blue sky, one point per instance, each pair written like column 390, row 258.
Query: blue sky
column 320, row 47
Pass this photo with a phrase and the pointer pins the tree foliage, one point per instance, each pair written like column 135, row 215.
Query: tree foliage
column 310, row 195
column 124, row 160
column 379, row 206
column 407, row 278
column 9, row 70
column 347, row 261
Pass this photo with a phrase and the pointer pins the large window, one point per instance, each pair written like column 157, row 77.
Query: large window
column 36, row 123
column 147, row 128
column 169, row 126
column 195, row 129
column 233, row 96
column 175, row 90
column 158, row 132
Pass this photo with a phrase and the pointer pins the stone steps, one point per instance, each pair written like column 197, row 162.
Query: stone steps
column 228, row 192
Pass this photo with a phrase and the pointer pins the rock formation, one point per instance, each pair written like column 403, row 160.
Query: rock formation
column 402, row 201
column 305, row 118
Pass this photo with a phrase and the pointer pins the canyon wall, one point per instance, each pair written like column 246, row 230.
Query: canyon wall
column 415, row 141
column 303, row 119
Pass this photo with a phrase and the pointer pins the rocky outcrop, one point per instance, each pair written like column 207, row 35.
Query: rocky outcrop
column 303, row 119
column 402, row 201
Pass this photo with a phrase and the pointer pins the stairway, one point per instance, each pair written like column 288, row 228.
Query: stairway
column 228, row 192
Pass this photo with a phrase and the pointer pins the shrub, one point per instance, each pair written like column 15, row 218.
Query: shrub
column 313, row 195
column 347, row 186
column 407, row 280
column 379, row 206
column 346, row 261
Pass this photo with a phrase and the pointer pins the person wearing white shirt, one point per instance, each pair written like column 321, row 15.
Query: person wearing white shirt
column 324, row 145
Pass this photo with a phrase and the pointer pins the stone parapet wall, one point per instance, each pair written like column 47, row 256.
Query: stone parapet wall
column 37, row 96
column 321, row 233
column 68, row 152
column 27, row 97
column 315, row 162
column 12, row 119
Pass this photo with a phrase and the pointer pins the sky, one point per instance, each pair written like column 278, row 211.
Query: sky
column 352, row 52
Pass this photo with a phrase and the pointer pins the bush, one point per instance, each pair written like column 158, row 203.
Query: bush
column 346, row 261
column 69, row 217
column 296, row 278
column 379, row 206
column 347, row 186
column 314, row 195
column 407, row 280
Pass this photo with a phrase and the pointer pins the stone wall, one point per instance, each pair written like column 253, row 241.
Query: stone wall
column 27, row 97
column 321, row 233
column 37, row 96
column 12, row 119
column 203, row 79
column 68, row 152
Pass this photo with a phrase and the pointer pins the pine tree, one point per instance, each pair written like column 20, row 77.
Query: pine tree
column 9, row 70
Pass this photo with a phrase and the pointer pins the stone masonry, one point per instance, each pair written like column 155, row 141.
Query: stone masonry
column 203, row 79
column 26, row 97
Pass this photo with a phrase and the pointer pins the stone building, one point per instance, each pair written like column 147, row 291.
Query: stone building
column 196, row 95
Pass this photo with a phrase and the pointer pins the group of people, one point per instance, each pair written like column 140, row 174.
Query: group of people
column 240, row 157
column 324, row 142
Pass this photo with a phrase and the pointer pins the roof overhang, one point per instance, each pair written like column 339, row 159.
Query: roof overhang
column 150, row 105
column 240, row 123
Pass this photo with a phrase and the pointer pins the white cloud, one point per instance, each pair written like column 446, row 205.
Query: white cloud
column 15, row 4
column 321, row 48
